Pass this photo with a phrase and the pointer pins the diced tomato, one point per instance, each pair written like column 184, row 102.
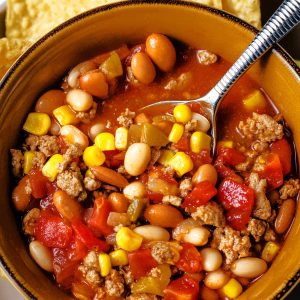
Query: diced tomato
column 237, row 218
column 113, row 159
column 190, row 259
column 86, row 236
column 230, row 156
column 78, row 249
column 283, row 149
column 51, row 230
column 272, row 171
column 183, row 288
column 232, row 194
column 141, row 262
column 200, row 159
column 98, row 220
column 38, row 184
column 200, row 195
column 197, row 108
column 62, row 144
column 183, row 144
column 155, row 197
column 157, row 172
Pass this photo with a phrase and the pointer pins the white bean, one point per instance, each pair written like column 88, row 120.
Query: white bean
column 137, row 157
column 79, row 70
column 74, row 136
column 249, row 267
column 79, row 100
column 152, row 233
column 211, row 259
column 134, row 190
column 197, row 236
column 95, row 130
column 216, row 279
column 203, row 123
column 41, row 255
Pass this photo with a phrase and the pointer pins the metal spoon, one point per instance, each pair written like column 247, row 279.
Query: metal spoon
column 285, row 18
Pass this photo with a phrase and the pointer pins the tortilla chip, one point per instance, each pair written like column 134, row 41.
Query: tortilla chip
column 10, row 50
column 248, row 10
column 212, row 3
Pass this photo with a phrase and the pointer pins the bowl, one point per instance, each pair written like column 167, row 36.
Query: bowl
column 105, row 28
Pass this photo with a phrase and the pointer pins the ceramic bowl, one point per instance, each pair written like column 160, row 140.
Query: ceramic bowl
column 105, row 28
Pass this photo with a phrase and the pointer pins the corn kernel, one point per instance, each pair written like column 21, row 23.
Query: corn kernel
column 181, row 163
column 65, row 115
column 50, row 169
column 37, row 123
column 270, row 251
column 121, row 138
column 232, row 288
column 165, row 157
column 93, row 156
column 28, row 158
column 128, row 240
column 182, row 113
column 105, row 141
column 88, row 173
column 199, row 141
column 254, row 101
column 119, row 258
column 176, row 133
column 226, row 144
column 104, row 264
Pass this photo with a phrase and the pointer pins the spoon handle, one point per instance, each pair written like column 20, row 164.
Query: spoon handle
column 282, row 21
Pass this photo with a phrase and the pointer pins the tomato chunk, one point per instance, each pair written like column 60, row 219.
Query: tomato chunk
column 231, row 156
column 39, row 184
column 183, row 144
column 190, row 259
column 98, row 220
column 237, row 218
column 87, row 237
column 51, row 230
column 141, row 262
column 183, row 288
column 283, row 149
column 200, row 195
column 232, row 194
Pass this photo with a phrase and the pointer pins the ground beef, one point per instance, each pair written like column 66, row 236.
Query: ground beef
column 259, row 146
column 114, row 284
column 47, row 144
column 155, row 272
column 210, row 214
column 87, row 116
column 163, row 252
column 91, row 260
column 206, row 57
column 262, row 207
column 256, row 228
column 127, row 274
column 142, row 297
column 17, row 161
column 126, row 118
column 261, row 127
column 185, row 187
column 73, row 151
column 180, row 83
column 191, row 126
column 70, row 181
column 30, row 220
column 91, row 184
column 174, row 200
column 155, row 155
column 270, row 235
column 290, row 189
column 38, row 160
column 90, row 269
column 245, row 166
column 93, row 277
column 231, row 242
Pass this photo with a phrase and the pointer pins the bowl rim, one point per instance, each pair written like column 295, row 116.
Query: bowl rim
column 295, row 279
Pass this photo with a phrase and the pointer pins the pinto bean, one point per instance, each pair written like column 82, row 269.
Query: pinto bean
column 143, row 68
column 208, row 294
column 118, row 202
column 21, row 194
column 205, row 172
column 41, row 255
column 74, row 136
column 94, row 83
column 50, row 101
column 285, row 216
column 249, row 267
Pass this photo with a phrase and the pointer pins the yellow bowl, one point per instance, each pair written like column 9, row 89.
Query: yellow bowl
column 105, row 28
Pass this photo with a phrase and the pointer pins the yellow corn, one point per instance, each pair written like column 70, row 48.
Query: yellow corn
column 254, row 101
column 181, row 163
column 165, row 157
column 119, row 258
column 88, row 173
column 37, row 123
column 65, row 115
column 176, row 133
column 121, row 138
column 232, row 288
column 226, row 144
column 93, row 156
column 104, row 264
column 270, row 251
column 199, row 141
column 50, row 169
column 182, row 113
column 28, row 158
column 105, row 141
column 128, row 240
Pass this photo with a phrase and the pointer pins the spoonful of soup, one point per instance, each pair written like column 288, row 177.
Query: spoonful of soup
column 286, row 17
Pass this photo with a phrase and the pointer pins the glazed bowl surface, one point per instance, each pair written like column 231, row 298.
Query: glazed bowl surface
column 104, row 29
